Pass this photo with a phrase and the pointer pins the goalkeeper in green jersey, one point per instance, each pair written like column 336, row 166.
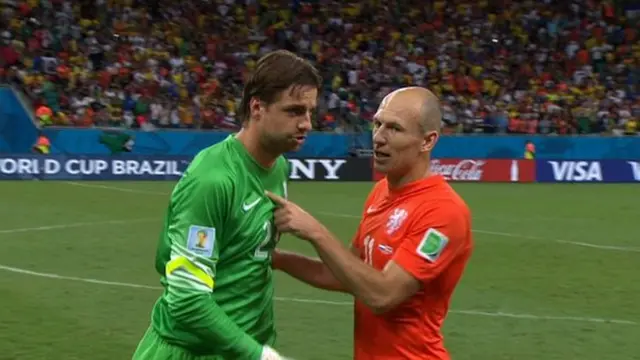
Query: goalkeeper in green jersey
column 214, row 253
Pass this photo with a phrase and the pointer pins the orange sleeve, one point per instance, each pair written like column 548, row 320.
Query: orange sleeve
column 434, row 241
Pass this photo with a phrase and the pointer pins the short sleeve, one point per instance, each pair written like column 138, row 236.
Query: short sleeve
column 199, row 210
column 433, row 241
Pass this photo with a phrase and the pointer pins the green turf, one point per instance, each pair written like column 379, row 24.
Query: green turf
column 534, row 288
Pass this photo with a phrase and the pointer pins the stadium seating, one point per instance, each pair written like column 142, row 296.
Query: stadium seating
column 500, row 66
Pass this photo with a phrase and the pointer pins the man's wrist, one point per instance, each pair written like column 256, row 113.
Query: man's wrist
column 319, row 236
column 275, row 259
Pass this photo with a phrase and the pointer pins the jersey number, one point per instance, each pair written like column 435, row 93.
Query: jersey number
column 369, row 244
column 262, row 252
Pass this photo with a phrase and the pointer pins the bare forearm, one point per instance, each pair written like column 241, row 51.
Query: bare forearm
column 358, row 278
column 308, row 270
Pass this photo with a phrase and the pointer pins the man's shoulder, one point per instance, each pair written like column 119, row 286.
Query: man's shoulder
column 450, row 200
column 209, row 169
column 441, row 195
column 221, row 149
column 443, row 203
column 214, row 162
column 381, row 187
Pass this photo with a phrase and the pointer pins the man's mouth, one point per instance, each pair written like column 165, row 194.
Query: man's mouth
column 381, row 154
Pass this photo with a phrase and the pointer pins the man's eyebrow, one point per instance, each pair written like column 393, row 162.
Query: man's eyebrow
column 391, row 123
column 297, row 107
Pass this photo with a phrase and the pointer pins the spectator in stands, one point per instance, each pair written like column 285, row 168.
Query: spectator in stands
column 501, row 66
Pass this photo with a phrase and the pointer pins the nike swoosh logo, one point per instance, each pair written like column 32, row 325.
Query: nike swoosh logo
column 247, row 207
column 371, row 209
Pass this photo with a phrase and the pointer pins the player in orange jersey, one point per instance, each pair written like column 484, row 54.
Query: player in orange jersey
column 411, row 247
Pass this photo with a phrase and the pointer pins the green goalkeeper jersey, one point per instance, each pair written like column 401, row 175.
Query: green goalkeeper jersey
column 214, row 255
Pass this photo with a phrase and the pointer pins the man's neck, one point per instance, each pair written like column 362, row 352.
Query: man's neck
column 249, row 139
column 420, row 171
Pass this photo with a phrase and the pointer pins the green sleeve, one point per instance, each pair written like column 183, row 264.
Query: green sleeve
column 199, row 211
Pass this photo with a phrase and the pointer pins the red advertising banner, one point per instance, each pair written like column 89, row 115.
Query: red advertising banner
column 482, row 170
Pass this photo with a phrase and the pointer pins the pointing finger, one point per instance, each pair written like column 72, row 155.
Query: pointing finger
column 278, row 200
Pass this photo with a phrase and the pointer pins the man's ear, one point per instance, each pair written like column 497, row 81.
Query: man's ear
column 255, row 108
column 429, row 141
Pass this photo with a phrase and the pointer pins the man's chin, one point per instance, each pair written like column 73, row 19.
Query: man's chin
column 295, row 146
column 380, row 168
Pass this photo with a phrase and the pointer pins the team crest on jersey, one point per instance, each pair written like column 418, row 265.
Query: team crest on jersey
column 395, row 220
column 201, row 240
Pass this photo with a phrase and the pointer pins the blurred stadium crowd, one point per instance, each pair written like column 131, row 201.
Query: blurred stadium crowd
column 500, row 66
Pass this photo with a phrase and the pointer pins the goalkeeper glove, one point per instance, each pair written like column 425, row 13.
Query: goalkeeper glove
column 268, row 353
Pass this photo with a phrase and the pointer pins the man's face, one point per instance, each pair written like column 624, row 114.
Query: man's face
column 285, row 123
column 398, row 140
column 202, row 238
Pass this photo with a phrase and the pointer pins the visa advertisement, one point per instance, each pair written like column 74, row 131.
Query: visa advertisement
column 589, row 171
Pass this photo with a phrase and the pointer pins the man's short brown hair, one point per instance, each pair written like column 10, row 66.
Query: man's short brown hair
column 274, row 73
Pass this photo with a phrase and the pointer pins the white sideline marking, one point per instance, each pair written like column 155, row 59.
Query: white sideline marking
column 115, row 188
column 72, row 225
column 73, row 278
column 546, row 317
column 350, row 216
column 324, row 302
column 577, row 243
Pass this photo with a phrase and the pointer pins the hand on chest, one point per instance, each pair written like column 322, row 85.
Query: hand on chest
column 382, row 232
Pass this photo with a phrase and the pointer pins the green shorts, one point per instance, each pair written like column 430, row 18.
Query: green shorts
column 153, row 347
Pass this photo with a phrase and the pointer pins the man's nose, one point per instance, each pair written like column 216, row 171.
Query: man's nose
column 305, row 124
column 378, row 137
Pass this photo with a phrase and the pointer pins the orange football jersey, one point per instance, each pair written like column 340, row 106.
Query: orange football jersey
column 425, row 228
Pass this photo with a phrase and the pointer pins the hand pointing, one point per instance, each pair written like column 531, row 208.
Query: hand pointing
column 290, row 218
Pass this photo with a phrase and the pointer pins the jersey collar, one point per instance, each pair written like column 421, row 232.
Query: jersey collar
column 246, row 157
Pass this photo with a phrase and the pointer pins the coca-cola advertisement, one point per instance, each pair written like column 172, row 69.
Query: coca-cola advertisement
column 482, row 170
